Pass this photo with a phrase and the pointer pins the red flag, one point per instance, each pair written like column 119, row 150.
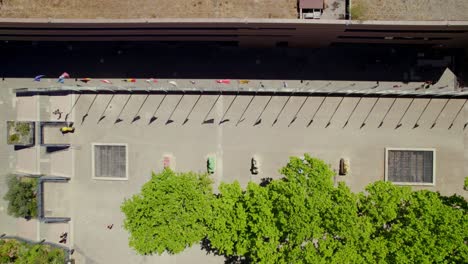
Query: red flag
column 106, row 81
column 64, row 75
column 129, row 80
column 224, row 81
column 85, row 80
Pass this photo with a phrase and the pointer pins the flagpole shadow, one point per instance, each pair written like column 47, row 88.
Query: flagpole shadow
column 222, row 121
column 333, row 115
column 399, row 124
column 118, row 120
column 89, row 108
column 105, row 109
column 316, row 111
column 191, row 110
column 137, row 114
column 259, row 118
column 210, row 121
column 298, row 110
column 154, row 118
column 369, row 113
column 281, row 111
column 388, row 111
column 169, row 119
column 73, row 106
column 245, row 110
column 352, row 112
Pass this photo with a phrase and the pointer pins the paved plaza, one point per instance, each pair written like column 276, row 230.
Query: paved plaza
column 189, row 128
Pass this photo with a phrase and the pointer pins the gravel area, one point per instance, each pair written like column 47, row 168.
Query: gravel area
column 409, row 10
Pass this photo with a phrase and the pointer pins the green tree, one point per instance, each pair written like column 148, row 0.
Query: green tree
column 21, row 197
column 301, row 218
column 169, row 213
column 416, row 227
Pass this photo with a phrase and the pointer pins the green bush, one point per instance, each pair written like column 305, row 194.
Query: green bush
column 10, row 250
column 21, row 197
column 302, row 218
column 466, row 184
column 13, row 139
column 23, row 128
column 13, row 251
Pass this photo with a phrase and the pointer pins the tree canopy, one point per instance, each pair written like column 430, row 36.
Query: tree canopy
column 21, row 196
column 169, row 213
column 301, row 218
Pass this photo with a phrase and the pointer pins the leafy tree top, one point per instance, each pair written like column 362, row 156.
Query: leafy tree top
column 301, row 218
column 169, row 213
column 21, row 196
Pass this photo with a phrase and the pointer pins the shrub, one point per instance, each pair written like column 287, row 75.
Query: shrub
column 21, row 197
column 465, row 186
column 14, row 138
column 23, row 128
column 13, row 251
column 20, row 133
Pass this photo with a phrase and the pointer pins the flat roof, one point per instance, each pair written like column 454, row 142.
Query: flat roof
column 311, row 4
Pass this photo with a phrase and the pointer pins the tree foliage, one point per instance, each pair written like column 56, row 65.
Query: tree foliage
column 13, row 251
column 21, row 197
column 305, row 218
column 169, row 213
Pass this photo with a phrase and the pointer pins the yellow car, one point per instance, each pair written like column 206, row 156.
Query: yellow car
column 67, row 129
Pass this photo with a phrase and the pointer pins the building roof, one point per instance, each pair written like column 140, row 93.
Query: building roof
column 311, row 4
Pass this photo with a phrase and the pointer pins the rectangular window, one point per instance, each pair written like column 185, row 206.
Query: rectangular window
column 110, row 161
column 410, row 166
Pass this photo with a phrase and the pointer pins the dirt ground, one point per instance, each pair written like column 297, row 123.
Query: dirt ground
column 148, row 8
column 410, row 9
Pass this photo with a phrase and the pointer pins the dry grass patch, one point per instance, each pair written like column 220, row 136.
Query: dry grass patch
column 149, row 8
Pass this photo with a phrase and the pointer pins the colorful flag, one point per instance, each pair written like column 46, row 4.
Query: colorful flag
column 224, row 81
column 244, row 81
column 64, row 75
column 85, row 80
column 151, row 80
column 61, row 80
column 38, row 78
column 173, row 83
column 132, row 80
column 106, row 81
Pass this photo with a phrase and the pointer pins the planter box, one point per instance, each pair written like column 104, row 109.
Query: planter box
column 21, row 133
